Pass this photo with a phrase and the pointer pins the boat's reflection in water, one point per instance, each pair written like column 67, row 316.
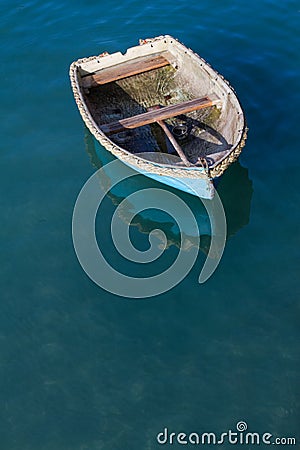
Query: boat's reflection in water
column 234, row 188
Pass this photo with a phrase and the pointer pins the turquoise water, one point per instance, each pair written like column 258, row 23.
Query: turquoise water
column 82, row 369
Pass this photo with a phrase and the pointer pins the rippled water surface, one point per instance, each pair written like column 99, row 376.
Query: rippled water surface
column 82, row 369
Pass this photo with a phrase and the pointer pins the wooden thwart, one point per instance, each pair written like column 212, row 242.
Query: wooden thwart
column 119, row 71
column 163, row 113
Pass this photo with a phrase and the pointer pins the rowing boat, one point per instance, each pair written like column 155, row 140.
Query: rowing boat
column 162, row 110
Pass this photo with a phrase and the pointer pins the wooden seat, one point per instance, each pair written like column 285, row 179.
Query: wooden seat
column 163, row 113
column 127, row 69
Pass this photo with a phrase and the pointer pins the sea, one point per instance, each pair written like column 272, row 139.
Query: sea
column 212, row 365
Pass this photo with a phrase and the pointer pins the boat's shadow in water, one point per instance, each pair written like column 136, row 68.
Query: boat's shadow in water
column 234, row 188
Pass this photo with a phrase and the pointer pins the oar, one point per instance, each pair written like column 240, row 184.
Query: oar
column 171, row 138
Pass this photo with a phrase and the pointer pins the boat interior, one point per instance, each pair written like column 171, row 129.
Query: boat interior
column 148, row 104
